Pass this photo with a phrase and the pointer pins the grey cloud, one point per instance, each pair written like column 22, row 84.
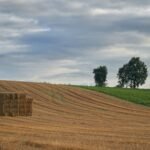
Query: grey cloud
column 53, row 30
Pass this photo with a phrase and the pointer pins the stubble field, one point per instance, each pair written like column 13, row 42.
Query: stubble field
column 70, row 118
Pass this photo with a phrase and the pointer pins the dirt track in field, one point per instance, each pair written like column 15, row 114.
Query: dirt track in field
column 69, row 118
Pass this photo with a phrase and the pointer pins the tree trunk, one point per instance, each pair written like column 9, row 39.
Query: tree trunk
column 134, row 84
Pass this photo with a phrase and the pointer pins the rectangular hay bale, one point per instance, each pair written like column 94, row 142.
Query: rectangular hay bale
column 15, row 104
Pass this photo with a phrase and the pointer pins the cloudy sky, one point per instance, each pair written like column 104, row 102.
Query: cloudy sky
column 61, row 41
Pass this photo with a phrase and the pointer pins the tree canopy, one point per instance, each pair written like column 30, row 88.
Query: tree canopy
column 133, row 74
column 100, row 75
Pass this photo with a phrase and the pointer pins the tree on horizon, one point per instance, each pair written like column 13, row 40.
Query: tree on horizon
column 100, row 75
column 133, row 74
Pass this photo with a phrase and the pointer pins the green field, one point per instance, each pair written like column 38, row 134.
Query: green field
column 139, row 96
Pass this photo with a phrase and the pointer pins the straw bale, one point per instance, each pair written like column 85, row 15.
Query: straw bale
column 15, row 104
column 29, row 101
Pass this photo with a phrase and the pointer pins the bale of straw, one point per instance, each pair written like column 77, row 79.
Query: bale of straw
column 15, row 104
column 22, row 107
column 29, row 101
column 1, row 107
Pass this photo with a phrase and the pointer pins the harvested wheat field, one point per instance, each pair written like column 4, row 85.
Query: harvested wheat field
column 69, row 118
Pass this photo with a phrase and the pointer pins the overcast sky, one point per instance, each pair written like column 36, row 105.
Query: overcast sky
column 61, row 41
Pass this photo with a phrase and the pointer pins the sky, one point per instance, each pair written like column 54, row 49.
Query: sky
column 62, row 41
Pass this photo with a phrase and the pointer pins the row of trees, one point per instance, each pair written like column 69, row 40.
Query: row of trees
column 133, row 74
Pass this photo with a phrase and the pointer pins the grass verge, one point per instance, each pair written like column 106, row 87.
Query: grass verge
column 138, row 96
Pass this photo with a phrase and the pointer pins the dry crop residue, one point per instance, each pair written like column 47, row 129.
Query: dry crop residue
column 69, row 118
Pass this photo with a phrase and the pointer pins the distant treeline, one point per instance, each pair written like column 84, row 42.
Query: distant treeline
column 133, row 74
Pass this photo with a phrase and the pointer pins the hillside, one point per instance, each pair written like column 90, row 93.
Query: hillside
column 70, row 118
column 138, row 96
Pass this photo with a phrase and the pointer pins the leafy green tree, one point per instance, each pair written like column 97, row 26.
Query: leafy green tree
column 123, row 76
column 133, row 74
column 100, row 75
